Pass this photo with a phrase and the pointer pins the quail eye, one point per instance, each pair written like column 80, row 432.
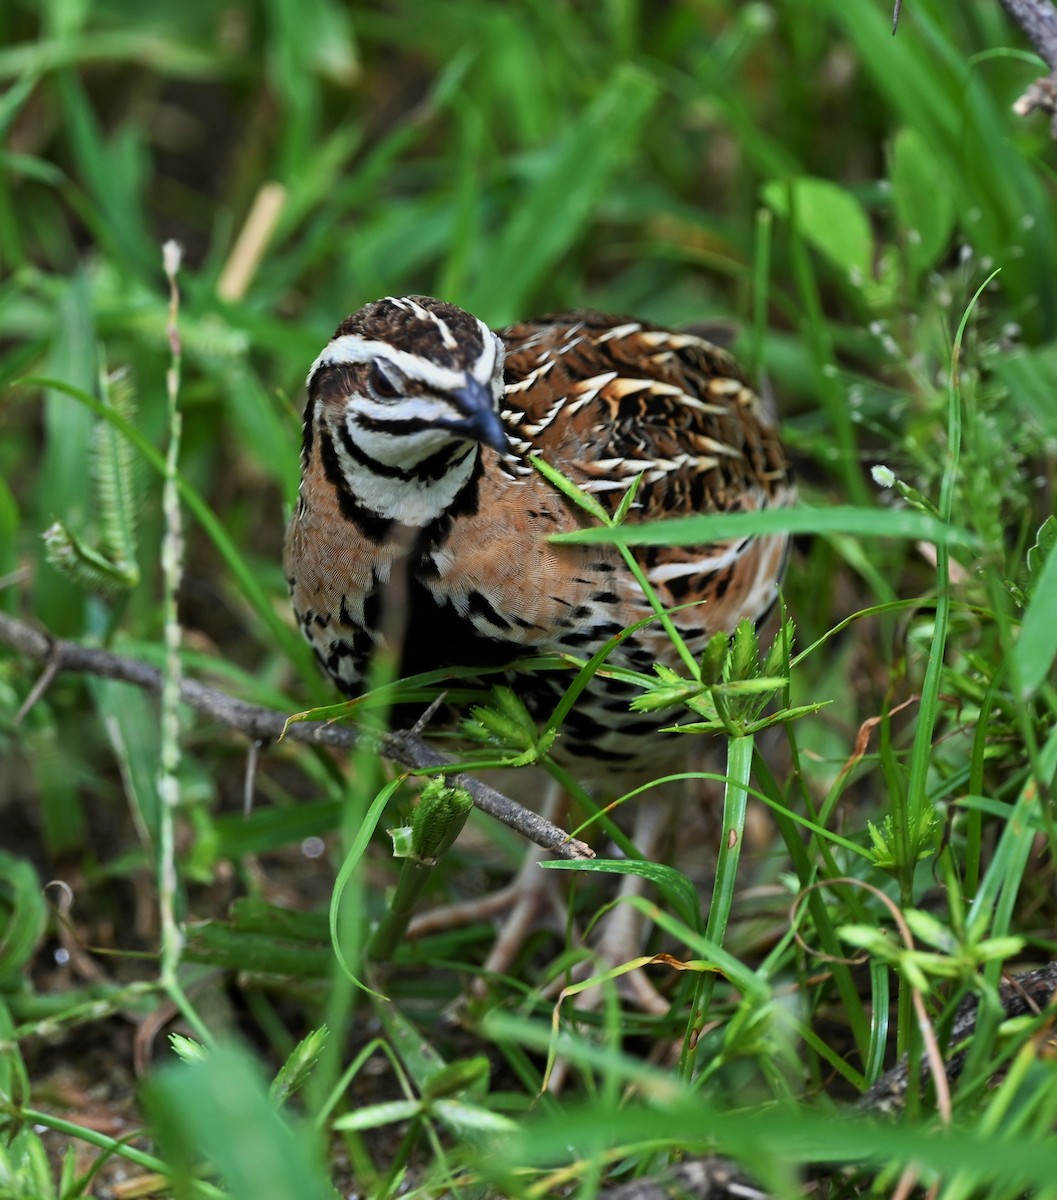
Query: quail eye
column 382, row 386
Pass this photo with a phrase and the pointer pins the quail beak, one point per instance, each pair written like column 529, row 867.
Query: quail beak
column 481, row 422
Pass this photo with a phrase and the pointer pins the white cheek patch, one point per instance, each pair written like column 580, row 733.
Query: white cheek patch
column 402, row 450
column 414, row 502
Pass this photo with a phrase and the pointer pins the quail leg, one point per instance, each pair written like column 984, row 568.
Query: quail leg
column 620, row 932
column 534, row 890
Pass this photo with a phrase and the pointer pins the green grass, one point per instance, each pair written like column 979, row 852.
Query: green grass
column 881, row 228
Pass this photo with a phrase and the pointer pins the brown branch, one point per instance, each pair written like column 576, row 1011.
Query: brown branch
column 265, row 724
column 1038, row 19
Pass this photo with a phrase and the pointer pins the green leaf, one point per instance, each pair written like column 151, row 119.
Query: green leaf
column 1036, row 647
column 22, row 915
column 219, row 945
column 468, row 1118
column 262, row 430
column 374, row 1116
column 25, row 1173
column 85, row 565
column 831, row 219
column 1039, row 552
column 113, row 476
column 348, row 867
column 571, row 492
column 294, row 1072
column 8, row 525
column 13, row 99
column 926, row 928
column 923, row 202
column 219, row 1110
column 437, row 1079
column 401, row 837
column 673, row 884
column 187, row 1049
column 265, row 829
column 1031, row 376
column 508, row 724
column 743, row 661
column 458, row 1077
column 711, row 527
column 713, row 658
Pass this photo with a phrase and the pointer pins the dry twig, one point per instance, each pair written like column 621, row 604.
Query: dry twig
column 1038, row 19
column 266, row 725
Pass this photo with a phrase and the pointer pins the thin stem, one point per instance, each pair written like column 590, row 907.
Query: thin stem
column 761, row 277
column 921, row 754
column 93, row 1137
column 172, row 553
column 735, row 804
column 441, row 814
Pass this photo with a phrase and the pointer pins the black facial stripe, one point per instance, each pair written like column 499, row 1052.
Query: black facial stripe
column 438, row 465
column 395, row 427
column 430, row 469
column 370, row 523
column 465, row 504
column 365, row 460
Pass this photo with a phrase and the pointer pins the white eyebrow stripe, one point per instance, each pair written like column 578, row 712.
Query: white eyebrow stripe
column 484, row 366
column 351, row 349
